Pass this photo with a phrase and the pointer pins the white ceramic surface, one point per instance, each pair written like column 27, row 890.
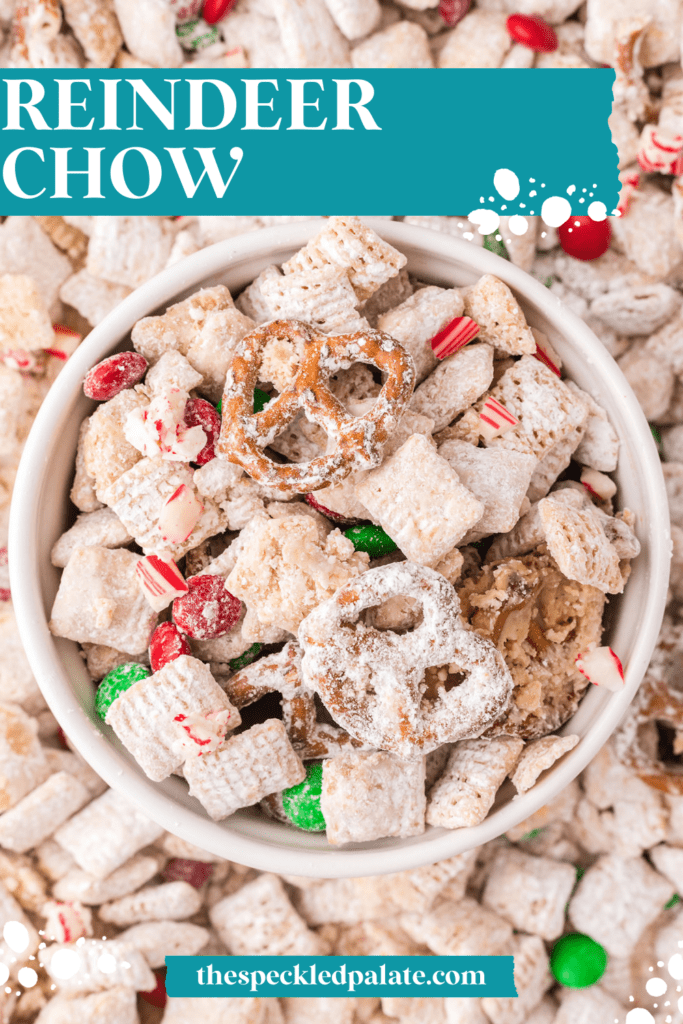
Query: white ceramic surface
column 41, row 510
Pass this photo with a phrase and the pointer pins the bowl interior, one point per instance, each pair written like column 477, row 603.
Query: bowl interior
column 41, row 511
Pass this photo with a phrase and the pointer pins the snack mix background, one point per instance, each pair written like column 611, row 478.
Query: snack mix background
column 605, row 859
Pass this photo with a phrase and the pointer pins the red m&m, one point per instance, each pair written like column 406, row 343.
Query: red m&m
column 216, row 10
column 200, row 413
column 584, row 238
column 453, row 11
column 532, row 31
column 208, row 610
column 166, row 645
column 114, row 374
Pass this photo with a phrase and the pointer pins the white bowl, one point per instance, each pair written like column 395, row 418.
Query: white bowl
column 41, row 511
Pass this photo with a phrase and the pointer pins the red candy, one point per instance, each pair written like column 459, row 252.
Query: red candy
column 194, row 872
column 453, row 336
column 334, row 516
column 200, row 413
column 208, row 610
column 114, row 374
column 215, row 10
column 453, row 11
column 584, row 238
column 157, row 996
column 166, row 645
column 532, row 31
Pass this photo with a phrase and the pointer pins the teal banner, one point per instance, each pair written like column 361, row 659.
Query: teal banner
column 270, row 142
column 337, row 976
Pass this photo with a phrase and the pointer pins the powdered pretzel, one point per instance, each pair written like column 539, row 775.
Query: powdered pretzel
column 636, row 741
column 358, row 440
column 405, row 694
column 281, row 673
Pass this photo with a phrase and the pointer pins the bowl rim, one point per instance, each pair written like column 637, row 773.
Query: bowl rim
column 52, row 677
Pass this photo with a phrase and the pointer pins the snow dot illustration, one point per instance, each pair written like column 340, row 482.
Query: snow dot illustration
column 15, row 935
column 487, row 220
column 106, row 963
column 675, row 967
column 27, row 977
column 518, row 225
column 597, row 211
column 64, row 964
column 656, row 987
column 506, row 183
column 555, row 211
column 639, row 1016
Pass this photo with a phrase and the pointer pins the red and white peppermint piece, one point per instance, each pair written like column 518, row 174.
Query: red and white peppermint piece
column 453, row 336
column 545, row 352
column 200, row 413
column 161, row 580
column 66, row 342
column 179, row 515
column 311, row 500
column 203, row 733
column 495, row 419
column 630, row 181
column 113, row 375
column 602, row 667
column 598, row 484
column 167, row 644
column 208, row 610
column 160, row 429
column 66, row 922
column 195, row 872
column 660, row 151
column 19, row 359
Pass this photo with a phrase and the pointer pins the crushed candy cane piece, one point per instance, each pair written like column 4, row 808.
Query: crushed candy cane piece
column 19, row 359
column 495, row 419
column 602, row 667
column 66, row 922
column 66, row 342
column 453, row 336
column 200, row 413
column 166, row 645
column 179, row 515
column 660, row 151
column 598, row 484
column 630, row 181
column 159, row 429
column 545, row 352
column 113, row 375
column 161, row 580
column 202, row 734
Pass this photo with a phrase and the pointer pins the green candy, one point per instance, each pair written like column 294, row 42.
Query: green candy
column 372, row 539
column 673, row 901
column 496, row 245
column 117, row 682
column 261, row 399
column 577, row 961
column 302, row 802
column 246, row 658
column 219, row 408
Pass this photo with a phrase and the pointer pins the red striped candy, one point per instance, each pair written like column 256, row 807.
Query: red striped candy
column 113, row 375
column 453, row 336
column 208, row 610
column 584, row 238
column 179, row 515
column 453, row 11
column 544, row 358
column 532, row 31
column 602, row 667
column 166, row 645
column 216, row 10
column 495, row 419
column 200, row 413
column 161, row 580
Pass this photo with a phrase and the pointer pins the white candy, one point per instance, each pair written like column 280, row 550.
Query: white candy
column 598, row 483
column 202, row 734
column 495, row 419
column 66, row 922
column 602, row 667
column 160, row 579
column 159, row 430
column 179, row 515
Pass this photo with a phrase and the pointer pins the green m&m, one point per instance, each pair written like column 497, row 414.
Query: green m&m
column 301, row 803
column 577, row 961
column 117, row 682
column 242, row 660
column 372, row 539
column 261, row 400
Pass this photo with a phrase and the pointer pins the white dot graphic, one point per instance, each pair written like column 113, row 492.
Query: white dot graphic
column 107, row 963
column 487, row 220
column 656, row 987
column 518, row 225
column 675, row 966
column 506, row 183
column 555, row 211
column 597, row 211
column 27, row 977
column 639, row 1016
column 571, row 190
column 15, row 935
column 64, row 964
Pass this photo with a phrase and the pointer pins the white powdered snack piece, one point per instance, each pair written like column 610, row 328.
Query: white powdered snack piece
column 187, row 1009
column 172, row 370
column 100, row 601
column 455, row 384
column 22, row 762
column 174, row 900
column 259, row 920
column 77, row 884
column 101, row 528
column 101, row 965
column 92, row 297
column 323, row 297
column 82, row 492
column 415, row 322
column 419, row 501
column 459, row 929
column 465, row 793
column 24, row 319
column 106, row 452
column 161, row 938
column 26, row 249
column 479, row 40
column 37, row 816
column 369, row 795
column 118, row 1005
column 532, row 980
column 106, row 833
column 501, row 321
column 309, row 36
column 538, row 756
column 129, row 250
column 355, row 18
column 403, row 45
column 145, row 717
column 531, row 892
